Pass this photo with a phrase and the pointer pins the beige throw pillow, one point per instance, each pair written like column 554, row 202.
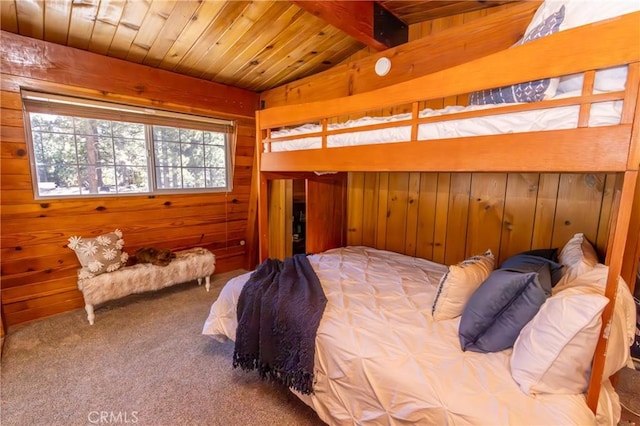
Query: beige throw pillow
column 459, row 283
column 100, row 254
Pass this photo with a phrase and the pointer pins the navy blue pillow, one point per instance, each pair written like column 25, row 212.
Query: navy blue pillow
column 531, row 91
column 496, row 312
column 529, row 263
column 551, row 254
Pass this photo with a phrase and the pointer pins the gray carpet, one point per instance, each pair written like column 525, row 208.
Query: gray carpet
column 628, row 388
column 144, row 362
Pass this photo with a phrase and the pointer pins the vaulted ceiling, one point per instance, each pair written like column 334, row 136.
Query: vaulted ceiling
column 255, row 45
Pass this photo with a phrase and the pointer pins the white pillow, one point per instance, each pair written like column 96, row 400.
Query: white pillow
column 578, row 256
column 553, row 352
column 583, row 12
column 607, row 80
column 459, row 283
column 621, row 332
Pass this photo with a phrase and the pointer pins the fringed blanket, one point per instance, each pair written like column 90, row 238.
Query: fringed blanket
column 279, row 310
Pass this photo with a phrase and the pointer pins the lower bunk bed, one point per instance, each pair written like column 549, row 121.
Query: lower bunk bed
column 388, row 348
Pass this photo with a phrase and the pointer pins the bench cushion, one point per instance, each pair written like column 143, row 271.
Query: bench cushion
column 187, row 266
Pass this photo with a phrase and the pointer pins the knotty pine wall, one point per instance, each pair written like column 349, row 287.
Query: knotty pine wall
column 446, row 217
column 38, row 275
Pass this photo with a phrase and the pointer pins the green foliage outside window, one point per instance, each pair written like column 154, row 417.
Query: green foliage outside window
column 76, row 156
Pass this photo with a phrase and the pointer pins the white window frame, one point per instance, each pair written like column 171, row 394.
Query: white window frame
column 48, row 103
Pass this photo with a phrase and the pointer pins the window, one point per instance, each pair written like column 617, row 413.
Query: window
column 91, row 148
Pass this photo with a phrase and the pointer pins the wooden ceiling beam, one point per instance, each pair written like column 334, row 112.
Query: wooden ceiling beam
column 366, row 21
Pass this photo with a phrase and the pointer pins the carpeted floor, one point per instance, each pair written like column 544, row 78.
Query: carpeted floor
column 144, row 362
column 628, row 388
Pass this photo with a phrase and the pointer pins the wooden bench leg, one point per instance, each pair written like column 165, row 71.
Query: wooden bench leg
column 207, row 281
column 90, row 315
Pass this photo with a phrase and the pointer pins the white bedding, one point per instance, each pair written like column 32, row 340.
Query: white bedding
column 602, row 114
column 381, row 359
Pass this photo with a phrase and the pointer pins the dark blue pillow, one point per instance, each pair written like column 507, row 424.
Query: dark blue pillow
column 531, row 91
column 551, row 254
column 528, row 263
column 497, row 311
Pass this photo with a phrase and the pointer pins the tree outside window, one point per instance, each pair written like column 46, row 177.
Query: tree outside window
column 84, row 156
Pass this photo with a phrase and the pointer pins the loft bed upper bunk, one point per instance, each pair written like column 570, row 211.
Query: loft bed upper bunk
column 608, row 146
column 590, row 128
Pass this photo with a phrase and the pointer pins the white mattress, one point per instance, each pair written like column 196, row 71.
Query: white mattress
column 381, row 359
column 602, row 114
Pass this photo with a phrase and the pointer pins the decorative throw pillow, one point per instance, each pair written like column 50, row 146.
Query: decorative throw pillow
column 550, row 272
column 100, row 254
column 498, row 310
column 531, row 91
column 458, row 284
column 577, row 13
column 551, row 254
column 547, row 358
column 578, row 256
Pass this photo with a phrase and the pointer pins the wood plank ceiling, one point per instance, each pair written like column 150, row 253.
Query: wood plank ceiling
column 255, row 45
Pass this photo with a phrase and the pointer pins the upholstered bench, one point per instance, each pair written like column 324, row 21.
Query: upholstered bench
column 188, row 265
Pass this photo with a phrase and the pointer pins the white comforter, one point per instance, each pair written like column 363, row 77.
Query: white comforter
column 381, row 359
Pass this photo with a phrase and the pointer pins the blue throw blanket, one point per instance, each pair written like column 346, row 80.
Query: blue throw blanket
column 279, row 310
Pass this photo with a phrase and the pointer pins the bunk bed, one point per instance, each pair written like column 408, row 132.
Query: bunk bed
column 583, row 122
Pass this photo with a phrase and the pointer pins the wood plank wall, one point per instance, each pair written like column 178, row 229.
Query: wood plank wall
column 446, row 217
column 38, row 275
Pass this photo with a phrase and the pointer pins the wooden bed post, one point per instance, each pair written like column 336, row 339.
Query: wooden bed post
column 632, row 248
column 258, row 232
column 616, row 254
column 632, row 254
column 263, row 193
column 251, row 256
column 618, row 233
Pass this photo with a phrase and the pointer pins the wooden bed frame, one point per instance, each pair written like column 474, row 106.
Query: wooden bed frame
column 599, row 149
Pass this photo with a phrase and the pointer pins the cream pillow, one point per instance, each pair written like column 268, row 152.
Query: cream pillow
column 459, row 283
column 583, row 12
column 578, row 256
column 554, row 350
column 100, row 254
column 622, row 328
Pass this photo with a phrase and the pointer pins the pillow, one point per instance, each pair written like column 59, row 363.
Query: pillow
column 498, row 310
column 530, row 91
column 607, row 80
column 550, row 272
column 522, row 265
column 622, row 329
column 458, row 284
column 100, row 254
column 579, row 256
column 551, row 254
column 548, row 358
column 580, row 12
